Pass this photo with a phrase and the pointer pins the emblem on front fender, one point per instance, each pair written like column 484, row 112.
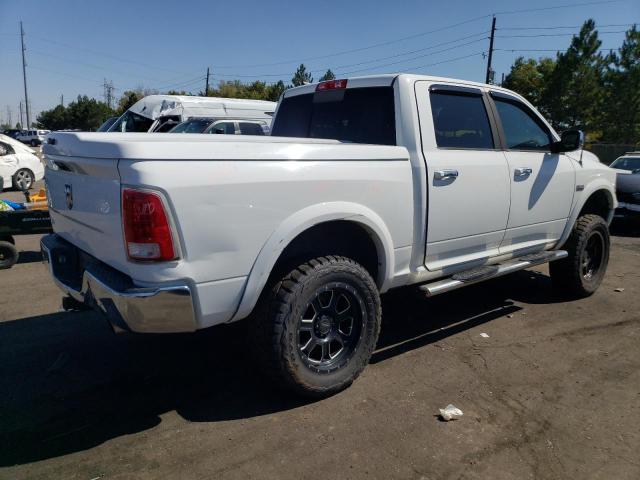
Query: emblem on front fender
column 68, row 193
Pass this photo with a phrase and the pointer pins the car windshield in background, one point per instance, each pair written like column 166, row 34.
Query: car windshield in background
column 627, row 163
column 358, row 115
column 131, row 122
column 192, row 126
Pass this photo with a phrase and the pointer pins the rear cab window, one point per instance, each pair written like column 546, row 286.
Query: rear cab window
column 460, row 120
column 356, row 115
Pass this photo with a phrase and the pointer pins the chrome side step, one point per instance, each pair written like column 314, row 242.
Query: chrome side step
column 486, row 272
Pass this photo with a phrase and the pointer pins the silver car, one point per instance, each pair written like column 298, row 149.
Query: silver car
column 628, row 184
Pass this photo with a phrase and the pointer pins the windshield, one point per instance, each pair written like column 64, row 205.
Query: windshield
column 358, row 115
column 192, row 126
column 131, row 122
column 627, row 163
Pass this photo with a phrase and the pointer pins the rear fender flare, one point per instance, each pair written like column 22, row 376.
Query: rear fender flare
column 304, row 219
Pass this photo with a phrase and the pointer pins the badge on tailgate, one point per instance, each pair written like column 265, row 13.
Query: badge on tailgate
column 68, row 193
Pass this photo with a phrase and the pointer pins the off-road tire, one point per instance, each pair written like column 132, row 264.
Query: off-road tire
column 8, row 255
column 274, row 326
column 568, row 275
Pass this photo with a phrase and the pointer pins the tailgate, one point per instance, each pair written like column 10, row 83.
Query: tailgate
column 84, row 202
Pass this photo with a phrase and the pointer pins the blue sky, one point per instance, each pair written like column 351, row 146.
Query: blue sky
column 73, row 45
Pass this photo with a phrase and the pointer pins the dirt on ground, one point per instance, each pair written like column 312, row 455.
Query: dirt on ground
column 553, row 391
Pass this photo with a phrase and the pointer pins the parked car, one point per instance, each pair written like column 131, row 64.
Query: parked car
column 19, row 167
column 33, row 137
column 13, row 133
column 161, row 113
column 628, row 184
column 227, row 127
column 107, row 124
column 393, row 180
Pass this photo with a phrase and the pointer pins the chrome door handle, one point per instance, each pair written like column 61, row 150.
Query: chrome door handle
column 521, row 172
column 445, row 174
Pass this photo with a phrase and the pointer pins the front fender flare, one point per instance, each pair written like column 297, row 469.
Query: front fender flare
column 304, row 219
column 590, row 189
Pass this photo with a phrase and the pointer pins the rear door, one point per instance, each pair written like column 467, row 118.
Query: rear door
column 542, row 182
column 467, row 176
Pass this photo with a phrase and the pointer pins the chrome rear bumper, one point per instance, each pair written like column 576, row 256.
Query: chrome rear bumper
column 162, row 309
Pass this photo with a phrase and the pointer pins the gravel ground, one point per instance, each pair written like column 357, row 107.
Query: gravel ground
column 552, row 393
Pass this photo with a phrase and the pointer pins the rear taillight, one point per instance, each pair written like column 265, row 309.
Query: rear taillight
column 332, row 85
column 147, row 232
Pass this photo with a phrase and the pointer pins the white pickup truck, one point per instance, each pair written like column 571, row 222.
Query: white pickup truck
column 365, row 185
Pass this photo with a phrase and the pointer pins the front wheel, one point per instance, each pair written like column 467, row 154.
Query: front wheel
column 23, row 179
column 316, row 328
column 581, row 273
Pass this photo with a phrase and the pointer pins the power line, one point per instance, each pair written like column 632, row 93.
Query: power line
column 414, row 58
column 552, row 34
column 108, row 55
column 354, row 50
column 412, row 51
column 449, row 60
column 556, row 7
column 566, row 26
column 340, row 67
column 417, row 35
column 601, row 50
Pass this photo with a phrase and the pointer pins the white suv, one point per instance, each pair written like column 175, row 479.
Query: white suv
column 33, row 137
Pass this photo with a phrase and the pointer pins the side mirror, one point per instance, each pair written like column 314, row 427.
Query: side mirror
column 219, row 131
column 570, row 140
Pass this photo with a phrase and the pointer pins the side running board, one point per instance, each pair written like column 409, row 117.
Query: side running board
column 486, row 272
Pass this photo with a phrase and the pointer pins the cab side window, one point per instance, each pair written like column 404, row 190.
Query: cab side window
column 521, row 128
column 460, row 121
column 225, row 128
column 247, row 128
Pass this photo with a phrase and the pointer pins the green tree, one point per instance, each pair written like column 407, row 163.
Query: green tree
column 622, row 86
column 87, row 113
column 301, row 76
column 129, row 97
column 574, row 95
column 54, row 119
column 329, row 75
column 275, row 90
column 530, row 78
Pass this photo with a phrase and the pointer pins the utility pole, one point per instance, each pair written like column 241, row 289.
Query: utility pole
column 62, row 99
column 21, row 116
column 9, row 116
column 489, row 78
column 206, row 85
column 24, row 76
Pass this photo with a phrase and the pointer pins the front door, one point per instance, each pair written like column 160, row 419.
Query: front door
column 467, row 176
column 542, row 182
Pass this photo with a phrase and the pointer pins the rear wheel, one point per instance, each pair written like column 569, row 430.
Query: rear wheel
column 34, row 143
column 316, row 328
column 23, row 179
column 581, row 273
column 8, row 255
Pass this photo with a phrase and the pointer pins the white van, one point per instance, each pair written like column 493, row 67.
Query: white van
column 160, row 113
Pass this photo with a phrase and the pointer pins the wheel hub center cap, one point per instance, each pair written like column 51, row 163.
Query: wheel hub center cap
column 323, row 325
